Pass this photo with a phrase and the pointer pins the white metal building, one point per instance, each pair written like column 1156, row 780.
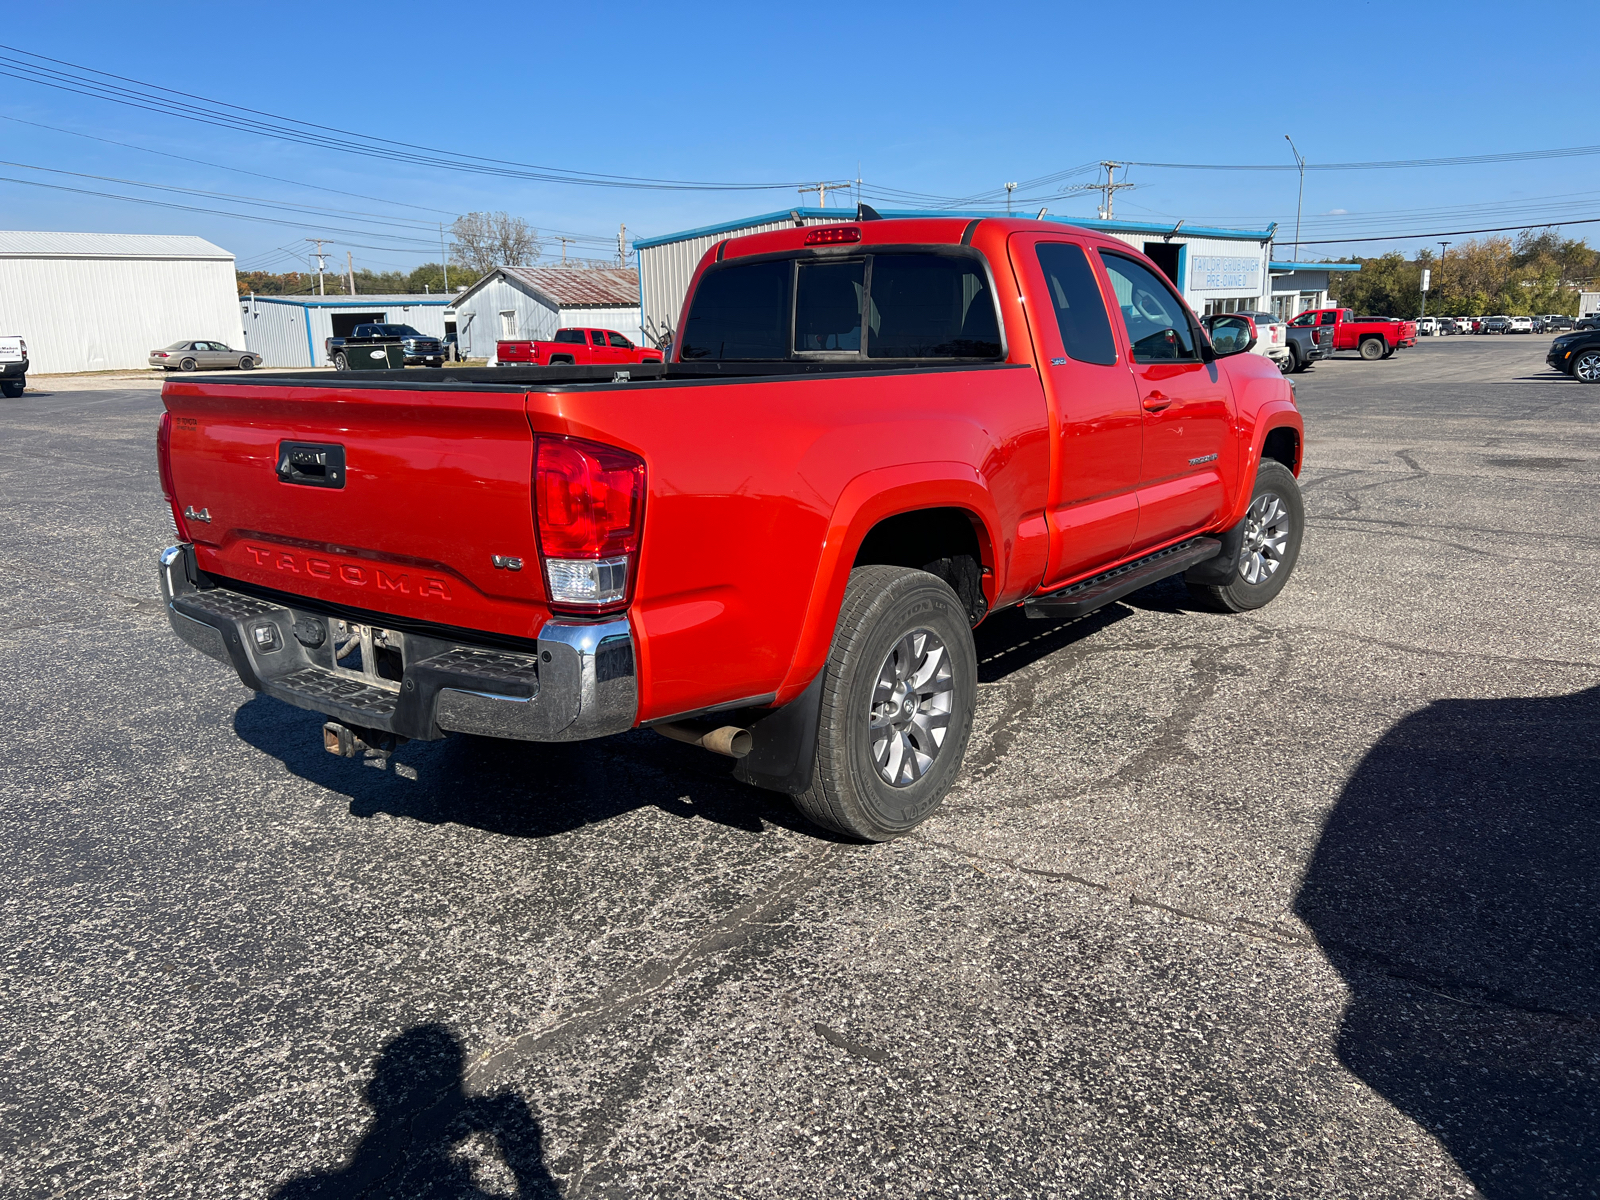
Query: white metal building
column 534, row 302
column 103, row 301
column 1298, row 286
column 1217, row 270
column 291, row 331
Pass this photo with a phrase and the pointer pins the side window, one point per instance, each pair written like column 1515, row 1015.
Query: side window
column 1305, row 319
column 1080, row 309
column 827, row 306
column 1330, row 318
column 740, row 312
column 931, row 306
column 597, row 336
column 620, row 342
column 1158, row 326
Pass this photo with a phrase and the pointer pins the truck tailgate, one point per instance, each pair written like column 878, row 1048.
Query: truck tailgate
column 435, row 484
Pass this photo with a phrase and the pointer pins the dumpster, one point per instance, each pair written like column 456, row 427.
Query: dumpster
column 384, row 354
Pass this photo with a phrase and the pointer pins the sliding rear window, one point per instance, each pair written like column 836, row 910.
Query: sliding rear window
column 907, row 305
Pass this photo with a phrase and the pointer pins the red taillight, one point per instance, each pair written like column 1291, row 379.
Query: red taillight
column 833, row 235
column 164, row 468
column 589, row 500
column 161, row 354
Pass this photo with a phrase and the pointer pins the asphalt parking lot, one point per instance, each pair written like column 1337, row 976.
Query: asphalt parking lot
column 1299, row 902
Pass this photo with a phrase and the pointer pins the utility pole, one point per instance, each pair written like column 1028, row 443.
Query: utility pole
column 1443, row 246
column 1010, row 187
column 1297, row 204
column 1107, row 190
column 322, row 263
column 821, row 189
column 350, row 260
column 622, row 245
column 444, row 259
column 564, row 240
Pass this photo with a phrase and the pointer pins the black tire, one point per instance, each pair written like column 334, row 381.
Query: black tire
column 885, row 610
column 1273, row 479
column 247, row 363
column 340, row 362
column 187, row 364
column 12, row 389
column 1286, row 362
column 1371, row 348
column 1586, row 367
column 1389, row 350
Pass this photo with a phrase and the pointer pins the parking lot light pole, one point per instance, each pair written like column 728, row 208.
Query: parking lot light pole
column 1301, row 200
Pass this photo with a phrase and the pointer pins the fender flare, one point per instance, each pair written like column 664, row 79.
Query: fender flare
column 867, row 499
column 1275, row 414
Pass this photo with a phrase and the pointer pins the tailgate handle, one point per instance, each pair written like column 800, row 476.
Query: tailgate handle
column 313, row 464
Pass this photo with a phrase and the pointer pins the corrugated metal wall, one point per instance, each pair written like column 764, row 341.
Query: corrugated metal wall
column 103, row 314
column 275, row 328
column 665, row 271
column 623, row 318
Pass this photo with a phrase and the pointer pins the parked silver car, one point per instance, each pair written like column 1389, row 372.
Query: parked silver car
column 202, row 356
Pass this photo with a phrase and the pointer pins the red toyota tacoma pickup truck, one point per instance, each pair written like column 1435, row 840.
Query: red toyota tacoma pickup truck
column 1372, row 337
column 776, row 545
column 574, row 348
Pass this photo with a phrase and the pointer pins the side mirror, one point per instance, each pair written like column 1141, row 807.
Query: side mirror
column 1231, row 335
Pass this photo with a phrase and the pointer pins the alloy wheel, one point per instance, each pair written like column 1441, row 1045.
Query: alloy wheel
column 1587, row 367
column 1266, row 538
column 910, row 708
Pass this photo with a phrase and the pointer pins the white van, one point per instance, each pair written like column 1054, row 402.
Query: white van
column 13, row 365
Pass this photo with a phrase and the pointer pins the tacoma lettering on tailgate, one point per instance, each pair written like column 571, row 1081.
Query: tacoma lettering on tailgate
column 350, row 574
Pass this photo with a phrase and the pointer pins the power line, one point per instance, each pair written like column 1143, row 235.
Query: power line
column 222, row 166
column 1388, row 164
column 328, row 137
column 1405, row 237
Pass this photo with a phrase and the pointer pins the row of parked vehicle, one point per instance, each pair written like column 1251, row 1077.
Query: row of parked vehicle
column 1548, row 323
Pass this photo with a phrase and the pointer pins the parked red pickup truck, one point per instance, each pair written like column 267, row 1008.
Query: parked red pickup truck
column 574, row 348
column 1372, row 337
column 776, row 545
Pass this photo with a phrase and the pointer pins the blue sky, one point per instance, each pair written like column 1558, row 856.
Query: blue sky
column 940, row 100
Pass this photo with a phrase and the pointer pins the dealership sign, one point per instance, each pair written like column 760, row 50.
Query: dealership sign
column 1211, row 273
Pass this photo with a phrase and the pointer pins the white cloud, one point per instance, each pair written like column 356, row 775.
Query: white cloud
column 1336, row 212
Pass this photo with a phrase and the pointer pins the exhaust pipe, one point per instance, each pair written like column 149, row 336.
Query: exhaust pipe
column 727, row 740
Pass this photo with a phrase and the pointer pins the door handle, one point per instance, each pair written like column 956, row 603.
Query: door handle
column 1155, row 402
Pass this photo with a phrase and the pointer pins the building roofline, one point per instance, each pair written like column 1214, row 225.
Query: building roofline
column 846, row 215
column 325, row 302
column 1323, row 266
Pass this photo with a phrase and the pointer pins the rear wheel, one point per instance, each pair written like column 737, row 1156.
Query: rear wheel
column 1273, row 526
column 12, row 388
column 1371, row 349
column 187, row 364
column 898, row 695
column 1586, row 367
column 340, row 362
column 247, row 363
column 1286, row 362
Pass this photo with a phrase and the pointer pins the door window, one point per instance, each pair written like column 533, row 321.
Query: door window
column 597, row 336
column 1080, row 308
column 1305, row 319
column 1158, row 326
column 1330, row 317
column 620, row 342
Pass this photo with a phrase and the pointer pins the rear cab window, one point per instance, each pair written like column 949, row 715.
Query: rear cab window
column 1080, row 308
column 895, row 304
column 570, row 337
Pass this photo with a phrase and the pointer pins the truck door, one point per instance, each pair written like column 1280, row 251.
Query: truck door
column 1188, row 407
column 600, row 353
column 1096, row 425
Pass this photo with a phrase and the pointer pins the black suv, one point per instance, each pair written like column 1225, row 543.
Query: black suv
column 1577, row 354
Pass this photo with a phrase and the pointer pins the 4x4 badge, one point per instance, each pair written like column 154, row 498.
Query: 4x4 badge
column 193, row 514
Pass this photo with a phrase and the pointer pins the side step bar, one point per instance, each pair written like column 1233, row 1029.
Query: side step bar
column 1084, row 597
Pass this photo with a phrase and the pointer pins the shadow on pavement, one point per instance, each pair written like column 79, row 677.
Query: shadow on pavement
column 427, row 1134
column 1456, row 887
column 519, row 789
column 1011, row 640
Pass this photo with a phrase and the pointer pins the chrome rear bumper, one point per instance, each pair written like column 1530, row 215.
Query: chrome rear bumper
column 578, row 681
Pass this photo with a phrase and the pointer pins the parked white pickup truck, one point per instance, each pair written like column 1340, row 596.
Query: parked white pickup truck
column 13, row 365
